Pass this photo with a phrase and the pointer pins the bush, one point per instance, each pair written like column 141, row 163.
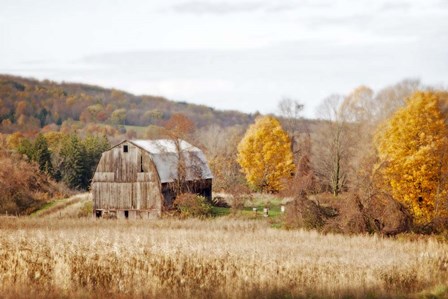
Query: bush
column 389, row 217
column 344, row 214
column 86, row 210
column 304, row 213
column 192, row 205
column 438, row 225
column 24, row 188
column 220, row 202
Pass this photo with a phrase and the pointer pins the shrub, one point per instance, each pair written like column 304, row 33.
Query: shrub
column 86, row 210
column 304, row 213
column 192, row 205
column 23, row 187
column 438, row 225
column 387, row 216
column 220, row 202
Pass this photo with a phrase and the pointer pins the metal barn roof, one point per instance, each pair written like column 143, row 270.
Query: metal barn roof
column 165, row 155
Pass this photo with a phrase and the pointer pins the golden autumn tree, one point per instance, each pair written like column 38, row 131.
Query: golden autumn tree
column 265, row 155
column 413, row 149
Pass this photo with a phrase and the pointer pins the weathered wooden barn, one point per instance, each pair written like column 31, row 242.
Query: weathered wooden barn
column 141, row 178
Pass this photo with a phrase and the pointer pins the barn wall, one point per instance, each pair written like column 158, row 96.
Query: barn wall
column 127, row 182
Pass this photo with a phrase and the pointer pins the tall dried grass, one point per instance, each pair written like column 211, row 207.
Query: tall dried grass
column 212, row 258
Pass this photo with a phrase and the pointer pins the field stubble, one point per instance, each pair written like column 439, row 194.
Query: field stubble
column 209, row 258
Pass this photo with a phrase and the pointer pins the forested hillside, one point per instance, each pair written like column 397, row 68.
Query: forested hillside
column 29, row 105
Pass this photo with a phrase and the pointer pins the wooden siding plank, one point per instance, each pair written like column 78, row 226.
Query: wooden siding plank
column 119, row 183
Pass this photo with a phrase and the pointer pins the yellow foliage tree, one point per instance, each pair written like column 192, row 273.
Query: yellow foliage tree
column 413, row 149
column 265, row 155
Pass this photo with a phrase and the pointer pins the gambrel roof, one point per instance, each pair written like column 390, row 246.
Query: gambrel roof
column 165, row 154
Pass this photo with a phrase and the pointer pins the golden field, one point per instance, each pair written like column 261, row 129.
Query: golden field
column 220, row 258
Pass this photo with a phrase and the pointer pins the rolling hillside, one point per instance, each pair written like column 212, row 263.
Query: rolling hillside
column 28, row 104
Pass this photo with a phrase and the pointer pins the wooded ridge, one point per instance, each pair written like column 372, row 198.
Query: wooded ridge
column 31, row 104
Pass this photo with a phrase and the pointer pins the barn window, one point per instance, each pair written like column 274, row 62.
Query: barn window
column 125, row 149
column 141, row 163
column 126, row 214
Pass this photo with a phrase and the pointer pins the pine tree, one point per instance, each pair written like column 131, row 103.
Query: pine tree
column 94, row 146
column 25, row 148
column 73, row 163
column 42, row 155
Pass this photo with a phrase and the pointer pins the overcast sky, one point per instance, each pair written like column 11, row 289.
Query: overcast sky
column 243, row 55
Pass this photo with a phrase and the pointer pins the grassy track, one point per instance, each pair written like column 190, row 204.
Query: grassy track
column 64, row 208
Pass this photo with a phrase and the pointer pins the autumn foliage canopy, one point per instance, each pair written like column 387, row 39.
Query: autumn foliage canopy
column 265, row 155
column 413, row 152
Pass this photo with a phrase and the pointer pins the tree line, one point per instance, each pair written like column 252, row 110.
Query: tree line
column 369, row 145
column 66, row 158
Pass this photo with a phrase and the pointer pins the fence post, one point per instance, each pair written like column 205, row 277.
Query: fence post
column 266, row 212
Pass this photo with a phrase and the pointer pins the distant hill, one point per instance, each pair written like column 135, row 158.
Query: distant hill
column 28, row 104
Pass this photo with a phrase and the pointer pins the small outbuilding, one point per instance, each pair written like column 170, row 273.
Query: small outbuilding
column 141, row 178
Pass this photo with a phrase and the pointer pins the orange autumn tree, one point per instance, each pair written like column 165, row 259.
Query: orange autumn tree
column 413, row 149
column 265, row 156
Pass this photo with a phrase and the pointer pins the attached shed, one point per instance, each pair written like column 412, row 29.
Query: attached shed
column 140, row 178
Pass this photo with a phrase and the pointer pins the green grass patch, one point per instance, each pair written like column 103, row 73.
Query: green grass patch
column 274, row 212
column 248, row 212
column 261, row 201
column 220, row 211
column 56, row 206
column 45, row 207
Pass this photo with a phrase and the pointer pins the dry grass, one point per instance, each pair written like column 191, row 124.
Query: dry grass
column 66, row 208
column 213, row 258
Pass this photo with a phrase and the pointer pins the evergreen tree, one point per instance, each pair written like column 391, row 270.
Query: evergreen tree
column 26, row 148
column 73, row 163
column 42, row 117
column 94, row 146
column 42, row 155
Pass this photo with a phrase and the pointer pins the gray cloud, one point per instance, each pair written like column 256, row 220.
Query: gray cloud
column 229, row 7
column 394, row 6
column 203, row 7
column 280, row 7
column 356, row 21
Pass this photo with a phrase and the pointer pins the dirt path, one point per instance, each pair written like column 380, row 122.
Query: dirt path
column 66, row 208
